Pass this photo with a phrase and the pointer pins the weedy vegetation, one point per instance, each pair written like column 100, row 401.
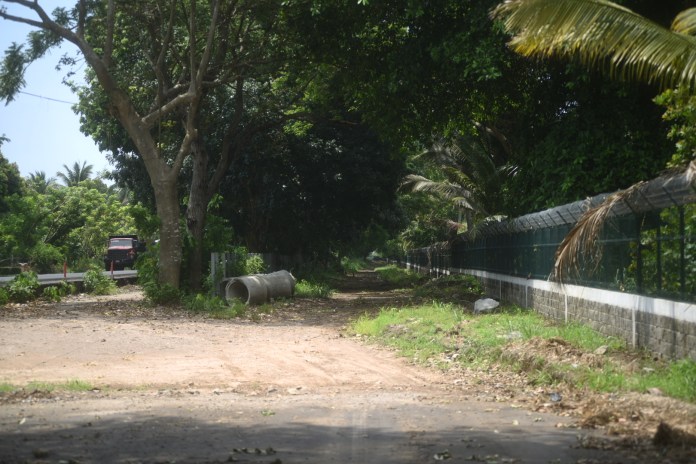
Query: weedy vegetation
column 98, row 283
column 68, row 386
column 520, row 340
column 311, row 289
column 400, row 277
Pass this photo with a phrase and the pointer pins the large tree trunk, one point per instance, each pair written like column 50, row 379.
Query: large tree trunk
column 196, row 214
column 167, row 202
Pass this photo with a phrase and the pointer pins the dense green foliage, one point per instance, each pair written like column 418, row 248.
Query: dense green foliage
column 63, row 225
column 589, row 136
column 310, row 120
column 667, row 264
column 313, row 193
column 24, row 287
column 97, row 282
column 10, row 180
column 680, row 112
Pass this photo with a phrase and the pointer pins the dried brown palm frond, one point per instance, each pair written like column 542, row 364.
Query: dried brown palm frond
column 691, row 173
column 580, row 249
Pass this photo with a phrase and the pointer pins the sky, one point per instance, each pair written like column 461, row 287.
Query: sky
column 44, row 133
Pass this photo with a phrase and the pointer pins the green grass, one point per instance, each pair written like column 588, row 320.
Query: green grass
column 307, row 289
column 677, row 379
column 417, row 333
column 351, row 266
column 523, row 341
column 450, row 288
column 69, row 385
column 400, row 277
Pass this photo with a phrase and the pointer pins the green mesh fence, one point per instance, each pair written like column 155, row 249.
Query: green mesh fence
column 647, row 244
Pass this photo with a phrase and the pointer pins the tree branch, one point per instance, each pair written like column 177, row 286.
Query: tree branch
column 167, row 108
column 109, row 45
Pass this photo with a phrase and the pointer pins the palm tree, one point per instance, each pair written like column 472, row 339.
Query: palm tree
column 605, row 35
column 73, row 176
column 610, row 37
column 40, row 183
column 473, row 176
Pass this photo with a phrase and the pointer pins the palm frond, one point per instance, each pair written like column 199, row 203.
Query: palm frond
column 685, row 22
column 480, row 226
column 580, row 250
column 603, row 35
column 452, row 192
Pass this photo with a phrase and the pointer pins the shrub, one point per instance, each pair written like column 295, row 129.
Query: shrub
column 52, row 293
column 214, row 306
column 165, row 294
column 397, row 276
column 312, row 290
column 45, row 257
column 57, row 292
column 97, row 283
column 254, row 265
column 23, row 287
column 351, row 265
column 4, row 296
column 67, row 288
column 451, row 287
column 204, row 303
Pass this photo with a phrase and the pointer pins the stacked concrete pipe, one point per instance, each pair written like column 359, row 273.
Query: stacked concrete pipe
column 260, row 288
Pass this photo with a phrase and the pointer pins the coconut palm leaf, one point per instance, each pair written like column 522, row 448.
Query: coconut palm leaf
column 685, row 22
column 73, row 176
column 40, row 183
column 604, row 35
column 453, row 192
column 472, row 179
column 579, row 248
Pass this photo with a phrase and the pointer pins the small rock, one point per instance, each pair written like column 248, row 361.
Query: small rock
column 655, row 391
column 601, row 350
column 295, row 390
column 485, row 305
column 515, row 335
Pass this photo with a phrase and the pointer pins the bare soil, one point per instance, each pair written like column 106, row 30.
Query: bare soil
column 294, row 386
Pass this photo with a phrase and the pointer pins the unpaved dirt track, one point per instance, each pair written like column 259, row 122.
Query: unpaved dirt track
column 291, row 388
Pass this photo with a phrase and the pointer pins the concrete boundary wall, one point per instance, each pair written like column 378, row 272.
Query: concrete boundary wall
column 663, row 327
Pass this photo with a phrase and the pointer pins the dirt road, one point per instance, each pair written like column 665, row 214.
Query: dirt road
column 288, row 388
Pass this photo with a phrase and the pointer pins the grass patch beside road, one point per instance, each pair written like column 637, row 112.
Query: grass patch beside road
column 69, row 385
column 444, row 334
column 399, row 276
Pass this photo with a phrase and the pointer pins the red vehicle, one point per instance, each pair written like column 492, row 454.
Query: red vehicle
column 122, row 251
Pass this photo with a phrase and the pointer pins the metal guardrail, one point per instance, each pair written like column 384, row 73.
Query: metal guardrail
column 52, row 279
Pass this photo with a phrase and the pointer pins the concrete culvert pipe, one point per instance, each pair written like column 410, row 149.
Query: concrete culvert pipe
column 280, row 284
column 248, row 289
column 260, row 288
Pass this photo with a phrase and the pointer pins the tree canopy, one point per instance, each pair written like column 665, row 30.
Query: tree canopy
column 10, row 180
column 291, row 120
column 73, row 176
